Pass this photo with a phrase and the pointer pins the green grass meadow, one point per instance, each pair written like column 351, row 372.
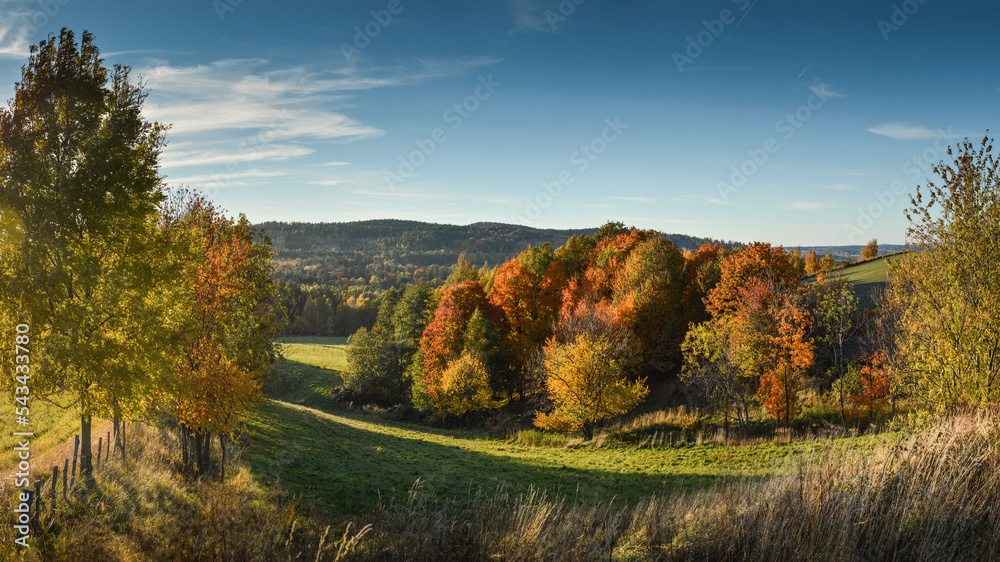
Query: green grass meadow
column 346, row 462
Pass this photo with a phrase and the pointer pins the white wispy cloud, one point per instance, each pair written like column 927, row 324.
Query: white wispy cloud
column 205, row 179
column 903, row 131
column 234, row 111
column 821, row 88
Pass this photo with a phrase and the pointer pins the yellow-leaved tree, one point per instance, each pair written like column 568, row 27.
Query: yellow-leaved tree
column 586, row 380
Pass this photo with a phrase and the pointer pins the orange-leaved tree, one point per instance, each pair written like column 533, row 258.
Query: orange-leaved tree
column 758, row 260
column 444, row 339
column 230, row 324
column 771, row 322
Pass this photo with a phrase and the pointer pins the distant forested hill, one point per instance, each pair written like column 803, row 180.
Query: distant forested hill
column 313, row 252
column 330, row 276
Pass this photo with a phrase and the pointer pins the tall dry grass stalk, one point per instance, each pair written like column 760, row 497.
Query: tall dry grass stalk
column 934, row 495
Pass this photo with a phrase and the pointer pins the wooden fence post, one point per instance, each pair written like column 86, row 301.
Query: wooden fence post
column 76, row 451
column 38, row 502
column 55, row 479
column 107, row 457
column 65, row 472
column 100, row 445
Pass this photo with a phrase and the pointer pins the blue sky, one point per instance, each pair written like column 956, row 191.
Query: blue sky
column 793, row 122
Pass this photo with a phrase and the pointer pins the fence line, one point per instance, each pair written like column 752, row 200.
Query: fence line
column 35, row 495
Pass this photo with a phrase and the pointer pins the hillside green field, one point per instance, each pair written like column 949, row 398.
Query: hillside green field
column 346, row 462
column 868, row 278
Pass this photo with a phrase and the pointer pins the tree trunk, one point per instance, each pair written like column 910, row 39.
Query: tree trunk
column 197, row 451
column 222, row 465
column 207, row 444
column 588, row 431
column 123, row 440
column 184, row 445
column 86, row 468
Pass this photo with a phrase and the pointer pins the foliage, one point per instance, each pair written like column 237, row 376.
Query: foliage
column 81, row 256
column 465, row 386
column 712, row 364
column 702, row 272
column 587, row 383
column 835, row 312
column 229, row 319
column 758, row 260
column 827, row 263
column 812, row 263
column 948, row 294
column 870, row 250
column 444, row 338
column 798, row 261
column 647, row 292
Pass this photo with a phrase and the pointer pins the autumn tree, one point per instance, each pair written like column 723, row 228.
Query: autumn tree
column 812, row 263
column 647, row 292
column 870, row 250
column 444, row 339
column 465, row 385
column 228, row 326
column 798, row 261
column 758, row 260
column 702, row 272
column 948, row 293
column 827, row 263
column 529, row 302
column 574, row 254
column 587, row 383
column 79, row 176
column 771, row 324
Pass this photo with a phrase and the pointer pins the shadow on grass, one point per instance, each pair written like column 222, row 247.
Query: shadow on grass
column 347, row 470
column 301, row 383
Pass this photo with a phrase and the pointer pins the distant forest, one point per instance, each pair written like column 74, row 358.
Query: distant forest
column 331, row 275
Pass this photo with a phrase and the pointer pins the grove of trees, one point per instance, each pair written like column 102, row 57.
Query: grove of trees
column 140, row 306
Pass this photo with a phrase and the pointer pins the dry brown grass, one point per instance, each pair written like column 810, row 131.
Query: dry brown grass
column 146, row 509
column 930, row 496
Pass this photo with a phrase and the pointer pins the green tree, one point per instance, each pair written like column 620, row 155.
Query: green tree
column 948, row 293
column 798, row 261
column 575, row 253
column 79, row 174
column 835, row 312
column 712, row 365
